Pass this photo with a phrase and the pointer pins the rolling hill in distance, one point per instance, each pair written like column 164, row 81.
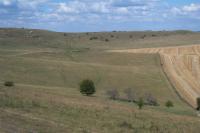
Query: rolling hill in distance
column 46, row 68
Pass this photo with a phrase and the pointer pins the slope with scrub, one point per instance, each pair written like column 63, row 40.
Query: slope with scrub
column 182, row 66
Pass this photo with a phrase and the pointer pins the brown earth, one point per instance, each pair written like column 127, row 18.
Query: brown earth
column 182, row 66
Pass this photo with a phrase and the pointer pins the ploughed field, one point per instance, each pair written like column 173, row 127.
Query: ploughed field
column 182, row 66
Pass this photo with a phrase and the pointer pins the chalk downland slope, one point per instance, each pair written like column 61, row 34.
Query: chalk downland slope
column 181, row 64
column 47, row 67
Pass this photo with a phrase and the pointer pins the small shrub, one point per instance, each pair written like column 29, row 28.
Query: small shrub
column 129, row 95
column 153, row 35
column 106, row 40
column 169, row 104
column 113, row 94
column 198, row 103
column 143, row 36
column 131, row 36
column 93, row 38
column 9, row 83
column 111, row 36
column 87, row 87
column 140, row 103
column 151, row 100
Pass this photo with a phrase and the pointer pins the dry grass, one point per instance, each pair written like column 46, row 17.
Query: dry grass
column 47, row 67
column 181, row 64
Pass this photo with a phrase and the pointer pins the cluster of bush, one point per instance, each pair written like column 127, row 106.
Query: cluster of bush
column 93, row 38
column 96, row 38
column 131, row 97
column 87, row 88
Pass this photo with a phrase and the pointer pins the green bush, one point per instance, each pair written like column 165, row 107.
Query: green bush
column 140, row 103
column 111, row 36
column 106, row 40
column 87, row 87
column 93, row 38
column 198, row 103
column 9, row 83
column 169, row 104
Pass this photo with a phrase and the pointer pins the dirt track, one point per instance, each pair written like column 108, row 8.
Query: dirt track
column 182, row 66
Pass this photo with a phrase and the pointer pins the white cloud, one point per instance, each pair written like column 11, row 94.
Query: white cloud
column 186, row 10
column 191, row 8
column 51, row 11
column 101, row 7
column 63, row 7
column 122, row 10
column 83, row 7
column 176, row 11
column 191, row 11
column 6, row 2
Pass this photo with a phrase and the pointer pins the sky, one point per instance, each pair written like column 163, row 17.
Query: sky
column 101, row 15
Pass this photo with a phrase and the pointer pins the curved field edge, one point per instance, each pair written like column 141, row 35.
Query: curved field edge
column 181, row 65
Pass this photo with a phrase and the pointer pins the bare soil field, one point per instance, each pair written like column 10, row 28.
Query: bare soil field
column 181, row 64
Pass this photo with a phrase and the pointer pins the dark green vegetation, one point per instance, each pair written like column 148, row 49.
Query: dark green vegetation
column 87, row 87
column 9, row 83
column 140, row 103
column 47, row 67
column 169, row 104
column 198, row 103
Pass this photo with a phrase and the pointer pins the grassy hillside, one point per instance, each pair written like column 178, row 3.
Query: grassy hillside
column 24, row 39
column 47, row 67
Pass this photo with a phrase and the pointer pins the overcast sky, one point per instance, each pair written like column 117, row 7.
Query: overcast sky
column 101, row 15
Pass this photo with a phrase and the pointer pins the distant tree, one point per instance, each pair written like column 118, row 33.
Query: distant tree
column 129, row 95
column 169, row 104
column 140, row 103
column 87, row 87
column 113, row 94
